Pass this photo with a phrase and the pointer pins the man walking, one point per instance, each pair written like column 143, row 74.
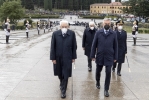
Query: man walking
column 106, row 49
column 122, row 47
column 88, row 37
column 63, row 54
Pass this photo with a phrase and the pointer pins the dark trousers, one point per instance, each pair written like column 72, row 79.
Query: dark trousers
column 44, row 31
column 134, row 40
column 118, row 68
column 7, row 38
column 38, row 32
column 108, row 75
column 89, row 62
column 27, row 34
column 63, row 83
column 63, row 80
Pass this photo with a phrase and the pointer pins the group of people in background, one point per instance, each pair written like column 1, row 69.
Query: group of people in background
column 106, row 46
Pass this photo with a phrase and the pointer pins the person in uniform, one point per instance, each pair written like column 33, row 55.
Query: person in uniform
column 27, row 25
column 87, row 40
column 63, row 54
column 122, row 47
column 38, row 27
column 114, row 26
column 44, row 27
column 7, row 30
column 135, row 31
column 105, row 47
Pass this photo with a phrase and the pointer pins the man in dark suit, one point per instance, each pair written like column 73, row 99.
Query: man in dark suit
column 63, row 54
column 88, row 37
column 122, row 47
column 105, row 47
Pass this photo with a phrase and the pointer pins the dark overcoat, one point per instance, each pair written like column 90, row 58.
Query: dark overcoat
column 63, row 50
column 87, row 40
column 105, row 47
column 122, row 45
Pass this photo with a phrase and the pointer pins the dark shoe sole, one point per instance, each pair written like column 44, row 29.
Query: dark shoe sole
column 63, row 96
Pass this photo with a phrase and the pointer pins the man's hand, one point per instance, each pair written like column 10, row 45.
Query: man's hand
column 93, row 59
column 54, row 61
column 73, row 60
column 114, row 60
column 83, row 48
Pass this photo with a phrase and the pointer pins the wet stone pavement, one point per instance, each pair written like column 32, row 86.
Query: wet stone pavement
column 26, row 73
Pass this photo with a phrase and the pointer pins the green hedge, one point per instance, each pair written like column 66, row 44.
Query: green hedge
column 144, row 31
column 93, row 17
column 1, row 27
column 140, row 31
column 20, row 27
column 16, row 28
column 42, row 16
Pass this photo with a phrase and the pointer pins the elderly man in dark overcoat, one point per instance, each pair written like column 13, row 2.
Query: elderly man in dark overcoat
column 63, row 54
column 87, row 40
column 122, row 47
column 106, row 49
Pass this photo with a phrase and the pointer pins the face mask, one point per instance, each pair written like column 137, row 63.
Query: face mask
column 120, row 27
column 106, row 27
column 64, row 30
column 92, row 28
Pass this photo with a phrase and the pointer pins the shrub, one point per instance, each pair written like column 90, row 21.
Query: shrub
column 146, row 31
column 1, row 27
column 42, row 16
column 20, row 27
column 140, row 31
column 93, row 17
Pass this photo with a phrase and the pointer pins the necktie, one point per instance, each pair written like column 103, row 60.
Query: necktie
column 106, row 32
column 64, row 34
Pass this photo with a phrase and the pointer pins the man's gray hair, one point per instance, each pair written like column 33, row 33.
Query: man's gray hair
column 106, row 19
column 63, row 21
column 91, row 23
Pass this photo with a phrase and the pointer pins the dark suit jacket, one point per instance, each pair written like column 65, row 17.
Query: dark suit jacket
column 87, row 40
column 105, row 47
column 63, row 50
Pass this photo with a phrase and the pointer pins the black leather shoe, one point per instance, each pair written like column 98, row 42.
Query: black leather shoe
column 118, row 74
column 63, row 95
column 89, row 69
column 98, row 85
column 106, row 93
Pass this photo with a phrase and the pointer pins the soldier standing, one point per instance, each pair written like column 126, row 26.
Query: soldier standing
column 38, row 27
column 44, row 26
column 135, row 31
column 7, row 30
column 122, row 47
column 27, row 28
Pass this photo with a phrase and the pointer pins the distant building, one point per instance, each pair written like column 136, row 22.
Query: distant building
column 107, row 8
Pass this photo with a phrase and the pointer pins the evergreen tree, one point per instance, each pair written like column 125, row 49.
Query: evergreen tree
column 70, row 4
column 29, row 4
